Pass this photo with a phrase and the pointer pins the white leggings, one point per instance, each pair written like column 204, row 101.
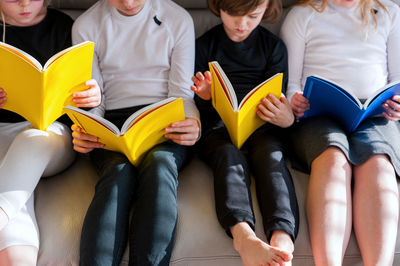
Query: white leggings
column 27, row 154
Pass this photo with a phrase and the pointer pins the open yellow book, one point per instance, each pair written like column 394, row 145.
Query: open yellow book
column 241, row 120
column 140, row 132
column 39, row 93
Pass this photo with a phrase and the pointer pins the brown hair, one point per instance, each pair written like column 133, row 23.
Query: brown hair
column 366, row 7
column 242, row 7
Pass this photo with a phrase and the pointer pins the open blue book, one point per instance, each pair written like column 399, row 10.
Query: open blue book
column 328, row 98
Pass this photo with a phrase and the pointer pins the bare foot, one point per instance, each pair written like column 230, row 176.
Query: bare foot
column 254, row 251
column 282, row 240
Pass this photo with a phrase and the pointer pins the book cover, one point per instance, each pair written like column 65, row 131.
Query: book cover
column 327, row 98
column 140, row 132
column 240, row 119
column 39, row 93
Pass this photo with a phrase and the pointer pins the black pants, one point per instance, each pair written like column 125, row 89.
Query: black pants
column 262, row 155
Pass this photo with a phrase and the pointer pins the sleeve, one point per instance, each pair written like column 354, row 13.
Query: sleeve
column 278, row 63
column 81, row 33
column 182, row 66
column 393, row 44
column 293, row 35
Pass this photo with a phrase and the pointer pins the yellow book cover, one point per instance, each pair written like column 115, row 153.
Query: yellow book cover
column 240, row 119
column 39, row 93
column 140, row 132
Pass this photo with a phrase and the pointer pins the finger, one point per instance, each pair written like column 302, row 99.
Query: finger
column 208, row 76
column 182, row 139
column 274, row 100
column 194, row 89
column 89, row 145
column 86, row 93
column 195, row 79
column 264, row 117
column 82, row 149
column 87, row 102
column 396, row 98
column 186, row 122
column 91, row 82
column 298, row 114
column 76, row 128
column 393, row 105
column 388, row 117
column 182, row 130
column 265, row 111
column 270, row 106
column 200, row 76
column 284, row 100
column 84, row 137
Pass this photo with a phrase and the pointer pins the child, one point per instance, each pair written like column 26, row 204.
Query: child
column 144, row 53
column 26, row 154
column 249, row 54
column 353, row 175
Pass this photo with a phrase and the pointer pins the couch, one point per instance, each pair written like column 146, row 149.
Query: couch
column 62, row 200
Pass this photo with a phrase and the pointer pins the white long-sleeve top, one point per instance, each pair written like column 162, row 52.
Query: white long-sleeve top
column 334, row 45
column 140, row 59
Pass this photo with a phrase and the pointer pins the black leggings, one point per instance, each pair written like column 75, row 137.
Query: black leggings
column 262, row 155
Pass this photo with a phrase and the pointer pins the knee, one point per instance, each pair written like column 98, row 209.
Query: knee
column 332, row 158
column 119, row 177
column 379, row 163
column 18, row 255
column 50, row 140
column 159, row 169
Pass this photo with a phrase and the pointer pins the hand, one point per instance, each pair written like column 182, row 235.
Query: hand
column 392, row 108
column 202, row 85
column 90, row 97
column 3, row 97
column 299, row 104
column 277, row 112
column 83, row 142
column 184, row 132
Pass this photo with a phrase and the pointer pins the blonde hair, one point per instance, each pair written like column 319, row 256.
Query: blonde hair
column 366, row 7
column 46, row 3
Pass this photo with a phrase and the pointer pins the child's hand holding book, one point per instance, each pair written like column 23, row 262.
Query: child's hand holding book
column 84, row 142
column 202, row 85
column 3, row 97
column 299, row 104
column 90, row 97
column 276, row 111
column 392, row 108
column 185, row 132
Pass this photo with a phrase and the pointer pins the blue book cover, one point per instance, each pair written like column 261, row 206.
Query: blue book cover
column 328, row 98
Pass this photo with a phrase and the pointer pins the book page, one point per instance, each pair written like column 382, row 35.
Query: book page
column 61, row 53
column 80, row 116
column 225, row 84
column 65, row 76
column 147, row 130
column 138, row 115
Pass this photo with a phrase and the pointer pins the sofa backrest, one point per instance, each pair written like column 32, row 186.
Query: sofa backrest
column 202, row 17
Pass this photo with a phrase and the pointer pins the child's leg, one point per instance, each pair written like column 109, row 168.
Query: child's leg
column 275, row 189
column 28, row 154
column 328, row 206
column 376, row 210
column 19, row 240
column 231, row 179
column 156, row 209
column 105, row 228
column 233, row 200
